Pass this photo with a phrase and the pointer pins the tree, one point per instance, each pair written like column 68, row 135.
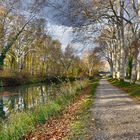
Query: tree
column 7, row 18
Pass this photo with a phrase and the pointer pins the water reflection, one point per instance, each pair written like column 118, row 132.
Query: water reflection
column 24, row 97
column 2, row 112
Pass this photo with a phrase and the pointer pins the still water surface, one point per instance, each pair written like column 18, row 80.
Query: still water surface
column 13, row 99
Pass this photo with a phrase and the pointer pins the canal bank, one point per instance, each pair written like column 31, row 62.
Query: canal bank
column 23, row 121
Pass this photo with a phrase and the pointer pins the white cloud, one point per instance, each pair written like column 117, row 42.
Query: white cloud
column 60, row 32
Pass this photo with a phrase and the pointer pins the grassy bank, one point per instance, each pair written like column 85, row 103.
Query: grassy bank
column 83, row 125
column 131, row 89
column 20, row 123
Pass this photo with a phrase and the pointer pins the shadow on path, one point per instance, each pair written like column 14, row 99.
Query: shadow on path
column 116, row 115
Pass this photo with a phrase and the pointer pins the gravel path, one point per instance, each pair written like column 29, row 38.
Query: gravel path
column 117, row 116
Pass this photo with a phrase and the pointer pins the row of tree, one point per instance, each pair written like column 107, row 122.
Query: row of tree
column 119, row 39
column 116, row 27
column 26, row 47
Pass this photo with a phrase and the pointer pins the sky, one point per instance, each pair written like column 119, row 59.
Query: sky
column 60, row 25
column 60, row 32
column 55, row 26
column 65, row 35
column 59, row 22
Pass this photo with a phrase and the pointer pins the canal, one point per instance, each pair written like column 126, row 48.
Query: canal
column 13, row 99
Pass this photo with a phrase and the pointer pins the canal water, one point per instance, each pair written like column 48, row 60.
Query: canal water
column 13, row 99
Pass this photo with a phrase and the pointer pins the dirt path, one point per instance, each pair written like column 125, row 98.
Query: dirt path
column 116, row 115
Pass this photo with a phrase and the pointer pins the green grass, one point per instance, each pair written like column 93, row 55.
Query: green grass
column 81, row 128
column 20, row 123
column 131, row 89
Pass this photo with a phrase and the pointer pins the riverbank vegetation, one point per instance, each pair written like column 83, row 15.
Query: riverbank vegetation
column 132, row 89
column 75, row 122
column 20, row 123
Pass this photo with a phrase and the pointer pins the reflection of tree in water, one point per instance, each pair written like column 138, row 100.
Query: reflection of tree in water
column 11, row 104
column 42, row 94
column 24, row 93
column 27, row 97
column 33, row 96
column 2, row 112
column 33, row 100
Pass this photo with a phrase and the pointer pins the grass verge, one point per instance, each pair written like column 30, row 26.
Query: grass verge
column 132, row 89
column 20, row 123
column 82, row 127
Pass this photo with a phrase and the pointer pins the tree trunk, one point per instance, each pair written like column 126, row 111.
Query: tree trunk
column 134, row 68
column 135, row 46
column 134, row 72
column 122, row 43
column 130, row 66
column 122, row 53
column 112, row 70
